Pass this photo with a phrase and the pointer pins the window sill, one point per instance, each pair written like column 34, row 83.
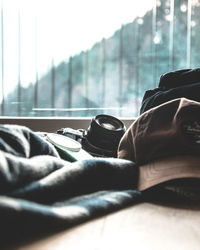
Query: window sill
column 51, row 124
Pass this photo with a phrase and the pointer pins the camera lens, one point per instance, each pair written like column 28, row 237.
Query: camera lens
column 105, row 132
column 109, row 122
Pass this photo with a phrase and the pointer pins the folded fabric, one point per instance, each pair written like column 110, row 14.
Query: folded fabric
column 39, row 192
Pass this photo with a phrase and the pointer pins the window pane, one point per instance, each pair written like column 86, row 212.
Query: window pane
column 83, row 58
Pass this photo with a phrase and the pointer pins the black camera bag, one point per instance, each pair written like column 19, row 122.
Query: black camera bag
column 172, row 85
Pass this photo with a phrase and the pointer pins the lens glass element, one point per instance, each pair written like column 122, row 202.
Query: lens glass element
column 108, row 126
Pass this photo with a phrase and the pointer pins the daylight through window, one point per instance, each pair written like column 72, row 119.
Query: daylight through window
column 83, row 58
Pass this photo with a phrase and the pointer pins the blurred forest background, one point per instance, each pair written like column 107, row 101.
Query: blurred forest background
column 113, row 75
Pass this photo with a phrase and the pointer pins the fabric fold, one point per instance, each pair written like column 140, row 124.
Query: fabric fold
column 40, row 192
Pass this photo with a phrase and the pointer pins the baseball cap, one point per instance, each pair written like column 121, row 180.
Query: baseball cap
column 165, row 143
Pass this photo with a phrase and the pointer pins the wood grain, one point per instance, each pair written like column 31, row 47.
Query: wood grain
column 143, row 226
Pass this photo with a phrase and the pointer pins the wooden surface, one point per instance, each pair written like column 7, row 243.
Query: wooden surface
column 142, row 226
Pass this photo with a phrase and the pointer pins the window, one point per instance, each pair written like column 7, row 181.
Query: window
column 82, row 58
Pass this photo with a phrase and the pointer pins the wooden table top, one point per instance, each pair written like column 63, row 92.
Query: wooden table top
column 142, row 226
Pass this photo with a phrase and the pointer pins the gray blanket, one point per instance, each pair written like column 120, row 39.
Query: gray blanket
column 41, row 193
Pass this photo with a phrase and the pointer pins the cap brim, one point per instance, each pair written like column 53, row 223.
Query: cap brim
column 168, row 169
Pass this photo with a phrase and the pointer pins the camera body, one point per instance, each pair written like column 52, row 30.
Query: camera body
column 102, row 137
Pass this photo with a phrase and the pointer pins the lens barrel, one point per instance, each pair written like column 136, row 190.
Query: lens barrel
column 104, row 133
